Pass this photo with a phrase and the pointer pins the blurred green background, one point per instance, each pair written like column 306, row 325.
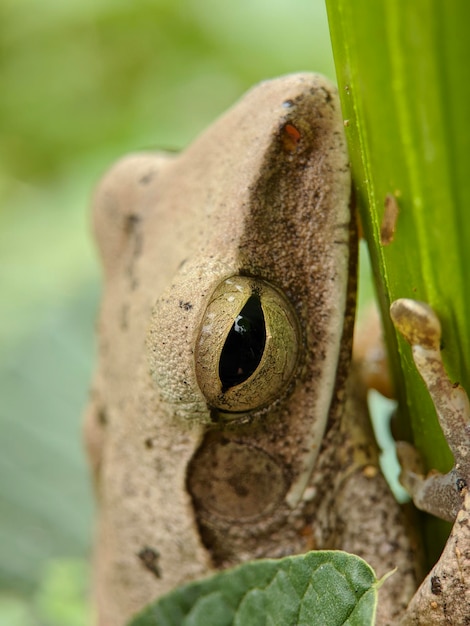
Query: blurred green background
column 81, row 83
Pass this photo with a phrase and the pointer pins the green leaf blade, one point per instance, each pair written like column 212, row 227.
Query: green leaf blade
column 318, row 589
column 401, row 69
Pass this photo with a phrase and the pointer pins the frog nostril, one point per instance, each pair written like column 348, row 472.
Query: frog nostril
column 244, row 345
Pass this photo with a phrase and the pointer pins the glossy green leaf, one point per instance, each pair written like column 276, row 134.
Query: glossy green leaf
column 315, row 589
column 400, row 67
column 402, row 76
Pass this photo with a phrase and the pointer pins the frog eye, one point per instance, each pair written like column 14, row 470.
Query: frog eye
column 248, row 345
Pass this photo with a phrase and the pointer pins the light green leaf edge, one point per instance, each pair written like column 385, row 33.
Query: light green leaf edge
column 320, row 588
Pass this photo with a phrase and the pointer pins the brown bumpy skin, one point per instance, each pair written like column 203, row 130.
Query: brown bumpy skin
column 182, row 488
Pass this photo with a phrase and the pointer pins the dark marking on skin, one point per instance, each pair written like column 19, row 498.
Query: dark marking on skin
column 328, row 97
column 134, row 230
column 149, row 558
column 460, row 483
column 131, row 223
column 436, row 586
column 147, row 178
column 240, row 489
column 187, row 306
column 102, row 416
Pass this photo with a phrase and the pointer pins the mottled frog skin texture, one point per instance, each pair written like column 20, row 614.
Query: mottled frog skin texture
column 197, row 465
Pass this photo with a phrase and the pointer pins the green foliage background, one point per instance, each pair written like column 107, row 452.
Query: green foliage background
column 81, row 83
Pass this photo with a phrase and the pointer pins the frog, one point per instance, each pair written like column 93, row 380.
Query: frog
column 226, row 421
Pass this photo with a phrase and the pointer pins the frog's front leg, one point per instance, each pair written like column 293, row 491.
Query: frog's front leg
column 439, row 494
column 444, row 596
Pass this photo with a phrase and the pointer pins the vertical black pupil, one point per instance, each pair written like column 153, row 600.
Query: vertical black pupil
column 244, row 345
